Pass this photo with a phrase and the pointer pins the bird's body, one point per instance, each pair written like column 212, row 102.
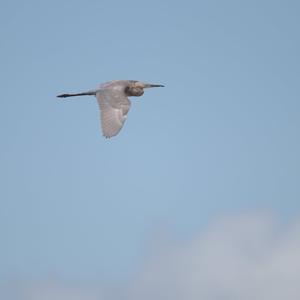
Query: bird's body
column 113, row 101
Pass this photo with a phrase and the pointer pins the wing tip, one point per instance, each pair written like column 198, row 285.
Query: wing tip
column 109, row 136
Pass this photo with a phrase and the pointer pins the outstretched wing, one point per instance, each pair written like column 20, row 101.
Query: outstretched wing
column 114, row 107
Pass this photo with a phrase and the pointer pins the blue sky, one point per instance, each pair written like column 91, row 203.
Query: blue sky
column 221, row 139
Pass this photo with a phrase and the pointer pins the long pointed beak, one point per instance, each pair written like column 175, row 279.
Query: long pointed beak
column 149, row 85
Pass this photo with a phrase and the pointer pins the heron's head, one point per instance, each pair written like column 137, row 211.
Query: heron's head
column 136, row 88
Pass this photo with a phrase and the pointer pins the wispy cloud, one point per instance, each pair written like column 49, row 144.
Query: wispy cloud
column 238, row 257
column 241, row 257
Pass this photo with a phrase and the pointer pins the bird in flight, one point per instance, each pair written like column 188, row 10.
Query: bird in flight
column 113, row 102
